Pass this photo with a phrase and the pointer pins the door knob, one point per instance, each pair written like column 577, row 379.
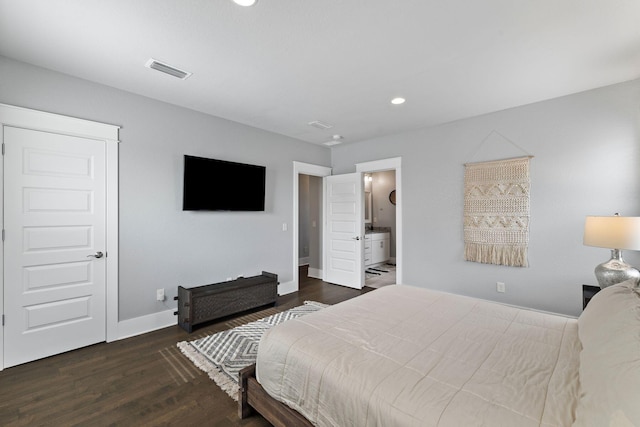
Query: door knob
column 97, row 255
column 357, row 238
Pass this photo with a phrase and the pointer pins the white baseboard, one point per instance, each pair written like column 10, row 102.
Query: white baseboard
column 303, row 261
column 143, row 324
column 316, row 273
column 163, row 319
column 287, row 288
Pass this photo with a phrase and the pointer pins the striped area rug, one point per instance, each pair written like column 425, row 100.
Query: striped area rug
column 222, row 355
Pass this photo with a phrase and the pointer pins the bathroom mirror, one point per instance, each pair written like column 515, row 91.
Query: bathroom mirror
column 367, row 207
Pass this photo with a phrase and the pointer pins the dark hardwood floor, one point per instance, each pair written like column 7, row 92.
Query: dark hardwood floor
column 139, row 381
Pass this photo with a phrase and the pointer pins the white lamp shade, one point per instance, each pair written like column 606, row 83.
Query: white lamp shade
column 245, row 3
column 612, row 232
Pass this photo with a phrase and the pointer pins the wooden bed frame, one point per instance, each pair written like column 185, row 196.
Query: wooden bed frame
column 252, row 396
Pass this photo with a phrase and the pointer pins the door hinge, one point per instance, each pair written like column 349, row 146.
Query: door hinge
column 3, row 148
column 3, row 234
column 3, row 320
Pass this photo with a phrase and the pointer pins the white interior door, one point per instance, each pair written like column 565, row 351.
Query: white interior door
column 344, row 231
column 54, row 275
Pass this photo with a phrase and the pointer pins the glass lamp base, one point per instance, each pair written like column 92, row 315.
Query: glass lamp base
column 615, row 271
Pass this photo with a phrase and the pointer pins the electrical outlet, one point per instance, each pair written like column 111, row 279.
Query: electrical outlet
column 160, row 294
column 500, row 287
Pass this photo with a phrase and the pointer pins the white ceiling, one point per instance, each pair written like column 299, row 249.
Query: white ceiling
column 283, row 63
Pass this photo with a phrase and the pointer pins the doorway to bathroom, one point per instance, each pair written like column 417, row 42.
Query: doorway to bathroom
column 380, row 228
column 383, row 221
column 390, row 164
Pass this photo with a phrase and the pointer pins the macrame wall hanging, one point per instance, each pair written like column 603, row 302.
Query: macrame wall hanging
column 496, row 211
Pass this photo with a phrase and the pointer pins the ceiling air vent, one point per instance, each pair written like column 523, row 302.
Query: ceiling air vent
column 167, row 69
column 320, row 125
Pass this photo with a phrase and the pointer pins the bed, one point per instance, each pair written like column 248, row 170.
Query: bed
column 408, row 356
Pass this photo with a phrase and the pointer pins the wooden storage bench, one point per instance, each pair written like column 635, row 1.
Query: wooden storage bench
column 205, row 303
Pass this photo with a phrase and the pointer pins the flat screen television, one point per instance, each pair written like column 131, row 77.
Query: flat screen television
column 219, row 185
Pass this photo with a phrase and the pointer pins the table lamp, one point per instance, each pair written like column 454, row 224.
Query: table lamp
column 615, row 233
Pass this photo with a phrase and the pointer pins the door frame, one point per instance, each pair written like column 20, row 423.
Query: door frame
column 394, row 163
column 300, row 168
column 55, row 123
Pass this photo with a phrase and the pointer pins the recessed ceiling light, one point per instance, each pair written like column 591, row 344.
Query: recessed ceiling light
column 398, row 101
column 245, row 2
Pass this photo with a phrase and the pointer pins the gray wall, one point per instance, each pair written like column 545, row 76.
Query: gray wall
column 310, row 220
column 160, row 245
column 587, row 162
column 315, row 217
column 304, row 224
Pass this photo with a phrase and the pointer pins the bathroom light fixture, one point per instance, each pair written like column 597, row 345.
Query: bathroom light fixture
column 398, row 101
column 615, row 233
column 245, row 2
column 335, row 140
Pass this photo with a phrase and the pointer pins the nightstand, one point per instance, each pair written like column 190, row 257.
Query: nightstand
column 588, row 291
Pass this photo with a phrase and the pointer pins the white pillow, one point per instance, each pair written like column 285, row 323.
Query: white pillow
column 609, row 330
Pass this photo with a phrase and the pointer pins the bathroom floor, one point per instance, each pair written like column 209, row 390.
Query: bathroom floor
column 377, row 276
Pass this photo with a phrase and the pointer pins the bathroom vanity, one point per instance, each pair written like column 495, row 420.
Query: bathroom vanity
column 376, row 247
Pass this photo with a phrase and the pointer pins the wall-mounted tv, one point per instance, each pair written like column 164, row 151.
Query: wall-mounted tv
column 219, row 185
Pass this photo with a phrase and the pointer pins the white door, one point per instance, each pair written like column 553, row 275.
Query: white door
column 344, row 232
column 54, row 276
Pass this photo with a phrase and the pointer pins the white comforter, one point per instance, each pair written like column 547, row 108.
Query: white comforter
column 407, row 356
